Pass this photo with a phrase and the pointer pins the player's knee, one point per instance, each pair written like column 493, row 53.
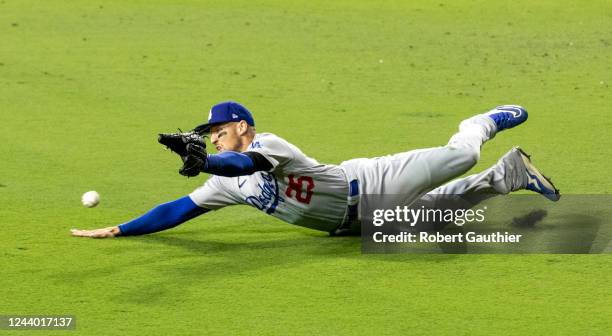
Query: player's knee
column 501, row 188
column 469, row 156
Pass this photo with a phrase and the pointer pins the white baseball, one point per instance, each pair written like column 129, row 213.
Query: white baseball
column 90, row 199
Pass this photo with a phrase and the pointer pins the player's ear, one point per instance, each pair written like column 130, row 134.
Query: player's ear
column 243, row 127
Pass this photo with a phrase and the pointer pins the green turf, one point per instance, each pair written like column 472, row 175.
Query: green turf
column 86, row 86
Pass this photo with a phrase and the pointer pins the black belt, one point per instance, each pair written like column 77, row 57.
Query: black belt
column 352, row 212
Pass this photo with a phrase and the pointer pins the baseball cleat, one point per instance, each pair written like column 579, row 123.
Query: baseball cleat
column 507, row 116
column 536, row 181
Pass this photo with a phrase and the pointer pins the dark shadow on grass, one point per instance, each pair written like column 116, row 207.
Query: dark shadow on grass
column 306, row 247
column 529, row 220
column 579, row 232
column 208, row 247
column 574, row 233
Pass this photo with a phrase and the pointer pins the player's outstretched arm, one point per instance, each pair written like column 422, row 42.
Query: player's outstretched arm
column 162, row 217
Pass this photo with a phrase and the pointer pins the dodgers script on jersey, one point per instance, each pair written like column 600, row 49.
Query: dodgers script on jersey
column 297, row 189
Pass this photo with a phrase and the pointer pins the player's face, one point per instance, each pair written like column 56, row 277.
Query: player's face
column 226, row 137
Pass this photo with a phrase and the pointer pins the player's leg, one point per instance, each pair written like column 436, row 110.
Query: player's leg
column 412, row 174
column 513, row 171
column 463, row 149
column 503, row 177
column 473, row 133
column 417, row 172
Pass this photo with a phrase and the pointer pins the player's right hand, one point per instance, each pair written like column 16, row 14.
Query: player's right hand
column 108, row 232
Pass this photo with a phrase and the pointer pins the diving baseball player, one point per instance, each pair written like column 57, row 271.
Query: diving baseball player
column 274, row 176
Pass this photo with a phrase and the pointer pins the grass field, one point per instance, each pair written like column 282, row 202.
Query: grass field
column 86, row 86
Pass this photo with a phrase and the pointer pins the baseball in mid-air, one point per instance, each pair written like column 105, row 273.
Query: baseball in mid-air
column 90, row 199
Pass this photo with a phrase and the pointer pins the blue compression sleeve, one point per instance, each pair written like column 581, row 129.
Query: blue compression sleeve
column 229, row 164
column 162, row 217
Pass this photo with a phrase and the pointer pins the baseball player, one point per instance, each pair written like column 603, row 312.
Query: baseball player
column 274, row 176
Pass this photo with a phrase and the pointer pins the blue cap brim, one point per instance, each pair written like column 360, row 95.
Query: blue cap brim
column 205, row 128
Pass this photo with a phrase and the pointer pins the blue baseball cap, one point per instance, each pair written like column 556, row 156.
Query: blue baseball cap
column 226, row 112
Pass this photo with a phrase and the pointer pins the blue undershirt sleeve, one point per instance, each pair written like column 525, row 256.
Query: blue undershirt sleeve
column 163, row 217
column 230, row 164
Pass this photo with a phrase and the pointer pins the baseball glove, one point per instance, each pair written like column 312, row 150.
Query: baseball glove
column 194, row 161
column 190, row 146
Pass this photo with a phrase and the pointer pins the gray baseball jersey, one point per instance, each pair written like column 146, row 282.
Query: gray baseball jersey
column 297, row 190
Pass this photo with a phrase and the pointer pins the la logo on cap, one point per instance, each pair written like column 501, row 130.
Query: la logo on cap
column 234, row 116
column 209, row 115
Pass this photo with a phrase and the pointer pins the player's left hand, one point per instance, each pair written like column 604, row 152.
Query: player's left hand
column 108, row 232
column 194, row 161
